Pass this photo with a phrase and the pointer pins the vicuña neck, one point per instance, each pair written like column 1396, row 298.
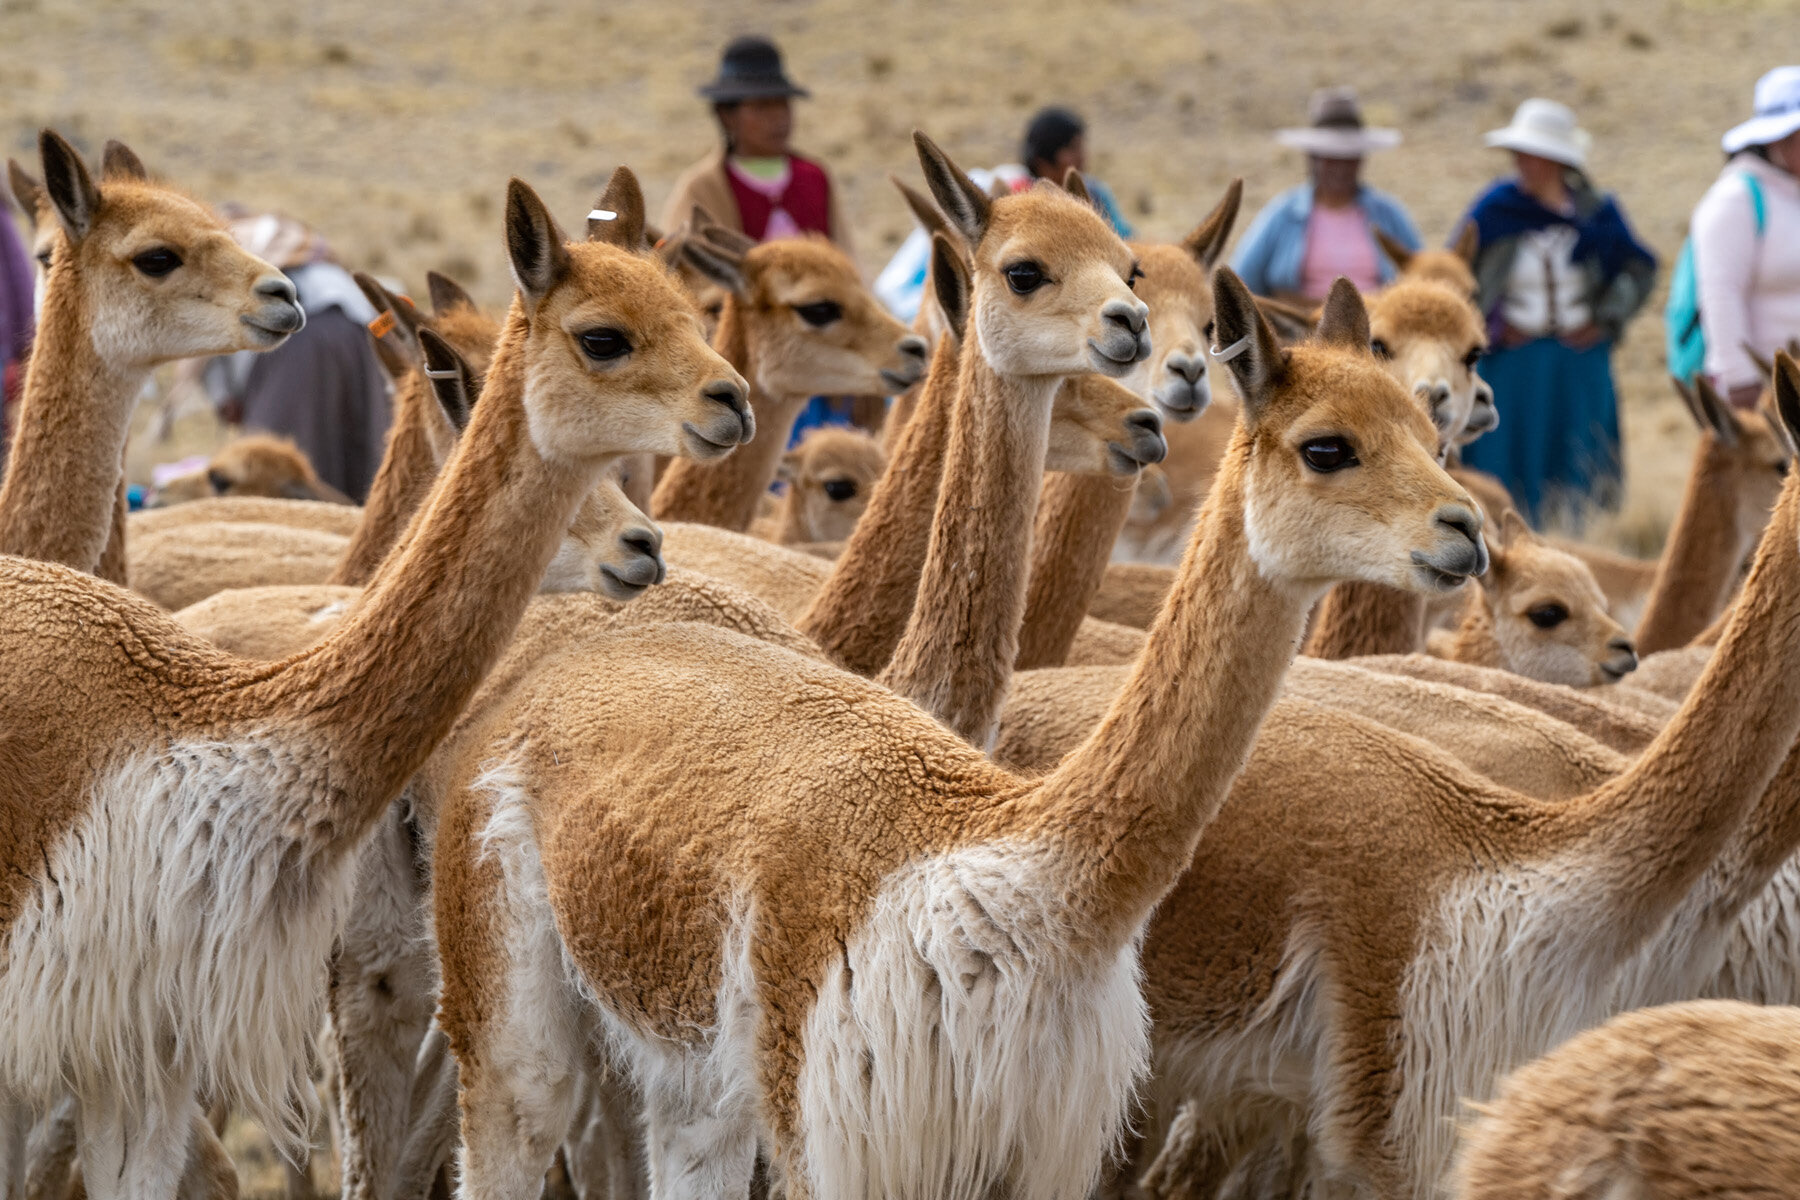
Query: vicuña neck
column 863, row 606
column 386, row 688
column 1699, row 564
column 1666, row 820
column 955, row 658
column 408, row 469
column 1130, row 803
column 1079, row 517
column 726, row 492
column 62, row 475
column 1367, row 618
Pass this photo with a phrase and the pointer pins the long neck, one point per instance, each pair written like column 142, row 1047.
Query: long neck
column 860, row 611
column 62, row 478
column 955, row 658
column 112, row 566
column 408, row 468
column 385, row 689
column 1651, row 832
column 1475, row 642
column 1079, row 517
column 1367, row 618
column 1700, row 562
column 1131, row 802
column 726, row 492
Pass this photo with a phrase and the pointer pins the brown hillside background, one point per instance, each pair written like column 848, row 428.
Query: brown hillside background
column 393, row 126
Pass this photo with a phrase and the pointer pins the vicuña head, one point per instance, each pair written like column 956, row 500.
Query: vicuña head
column 255, row 465
column 599, row 310
column 829, row 478
column 1343, row 480
column 1431, row 338
column 157, row 272
column 1177, row 288
column 1051, row 280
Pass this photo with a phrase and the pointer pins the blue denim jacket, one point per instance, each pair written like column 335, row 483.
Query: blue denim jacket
column 1269, row 255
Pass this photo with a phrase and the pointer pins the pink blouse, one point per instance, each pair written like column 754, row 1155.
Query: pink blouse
column 1338, row 242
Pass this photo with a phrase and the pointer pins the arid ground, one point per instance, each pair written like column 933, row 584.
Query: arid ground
column 394, row 126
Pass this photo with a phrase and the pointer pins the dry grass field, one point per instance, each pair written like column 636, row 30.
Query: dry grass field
column 394, row 126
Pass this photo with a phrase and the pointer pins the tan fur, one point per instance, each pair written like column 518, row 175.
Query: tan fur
column 791, row 863
column 184, row 564
column 99, row 682
column 830, row 476
column 255, row 465
column 1131, row 593
column 1451, row 267
column 105, row 324
column 315, row 515
column 1676, row 1103
column 1432, row 336
column 1579, row 645
column 863, row 352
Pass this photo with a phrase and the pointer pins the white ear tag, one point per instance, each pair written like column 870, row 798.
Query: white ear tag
column 1232, row 351
column 601, row 214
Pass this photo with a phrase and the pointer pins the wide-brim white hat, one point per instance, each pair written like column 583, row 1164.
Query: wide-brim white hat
column 1546, row 129
column 1777, row 112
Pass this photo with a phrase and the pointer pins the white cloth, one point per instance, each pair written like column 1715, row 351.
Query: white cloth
column 1546, row 292
column 1749, row 286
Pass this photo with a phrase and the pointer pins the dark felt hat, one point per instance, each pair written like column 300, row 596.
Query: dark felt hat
column 750, row 69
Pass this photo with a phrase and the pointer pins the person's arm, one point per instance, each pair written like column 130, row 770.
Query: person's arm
column 1400, row 225
column 1725, row 243
column 1251, row 258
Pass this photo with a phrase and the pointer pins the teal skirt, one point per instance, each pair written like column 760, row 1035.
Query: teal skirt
column 1557, row 446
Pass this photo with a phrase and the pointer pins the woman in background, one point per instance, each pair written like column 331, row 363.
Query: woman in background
column 1559, row 273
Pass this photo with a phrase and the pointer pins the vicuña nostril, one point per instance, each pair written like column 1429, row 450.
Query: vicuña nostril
column 278, row 287
column 915, row 347
column 643, row 542
column 1145, row 421
column 1126, row 316
column 1188, row 366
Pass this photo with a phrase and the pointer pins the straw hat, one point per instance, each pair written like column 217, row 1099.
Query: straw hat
column 1335, row 129
column 1777, row 111
column 750, row 69
column 1546, row 129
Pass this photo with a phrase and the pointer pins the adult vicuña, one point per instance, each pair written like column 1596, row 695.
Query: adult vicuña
column 184, row 823
column 864, row 974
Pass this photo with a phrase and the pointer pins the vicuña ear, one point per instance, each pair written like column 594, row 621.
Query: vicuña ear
column 1207, row 242
column 1076, row 186
column 1344, row 322
column 446, row 294
column 618, row 216
column 1787, row 394
column 950, row 277
column 1762, row 364
column 1399, row 255
column 71, row 189
column 534, row 244
column 1245, row 343
column 1468, row 241
column 119, row 161
column 964, row 205
column 1513, row 529
column 398, row 325
column 720, row 264
column 452, row 379
column 923, row 210
column 1717, row 413
column 734, row 240
column 25, row 189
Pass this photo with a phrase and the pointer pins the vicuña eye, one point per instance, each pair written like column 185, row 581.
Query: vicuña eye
column 1131, row 280
column 840, row 489
column 1548, row 616
column 1472, row 357
column 1380, row 349
column 1025, row 278
column 1328, row 454
column 604, row 345
column 820, row 313
column 158, row 262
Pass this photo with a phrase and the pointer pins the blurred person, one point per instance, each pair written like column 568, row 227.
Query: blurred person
column 753, row 181
column 1558, row 272
column 1055, row 140
column 1745, row 244
column 323, row 387
column 18, row 320
column 1312, row 233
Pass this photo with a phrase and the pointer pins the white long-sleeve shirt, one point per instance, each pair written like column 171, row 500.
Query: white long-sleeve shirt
column 1749, row 285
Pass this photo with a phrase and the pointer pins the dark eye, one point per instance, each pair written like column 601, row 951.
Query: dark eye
column 221, row 482
column 604, row 345
column 1024, row 278
column 1380, row 348
column 1781, row 468
column 1328, row 454
column 1137, row 273
column 821, row 313
column 44, row 260
column 840, row 489
column 1472, row 357
column 1208, row 331
column 158, row 262
column 1547, row 616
